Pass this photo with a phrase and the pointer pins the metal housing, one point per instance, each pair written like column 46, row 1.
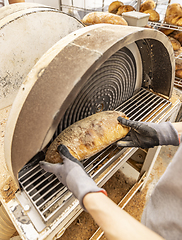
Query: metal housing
column 58, row 77
column 27, row 31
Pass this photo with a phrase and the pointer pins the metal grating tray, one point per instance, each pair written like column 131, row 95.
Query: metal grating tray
column 45, row 191
column 178, row 82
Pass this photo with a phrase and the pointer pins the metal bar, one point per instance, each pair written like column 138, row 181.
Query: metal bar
column 99, row 233
column 28, row 172
column 138, row 106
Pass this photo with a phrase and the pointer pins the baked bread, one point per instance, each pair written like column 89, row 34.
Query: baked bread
column 177, row 35
column 88, row 136
column 154, row 16
column 176, row 45
column 149, row 4
column 178, row 73
column 125, row 8
column 103, row 17
column 113, row 7
column 178, row 52
column 178, row 63
column 166, row 31
column 174, row 14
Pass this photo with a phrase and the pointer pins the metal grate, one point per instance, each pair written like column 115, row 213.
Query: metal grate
column 45, row 191
column 178, row 82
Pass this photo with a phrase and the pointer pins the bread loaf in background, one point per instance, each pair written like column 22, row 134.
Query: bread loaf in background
column 125, row 8
column 154, row 16
column 174, row 14
column 88, row 136
column 166, row 31
column 175, row 43
column 149, row 4
column 113, row 7
column 103, row 17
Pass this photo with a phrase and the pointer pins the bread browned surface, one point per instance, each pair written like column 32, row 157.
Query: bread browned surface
column 174, row 14
column 178, row 73
column 154, row 16
column 88, row 136
column 176, row 45
column 177, row 35
column 178, row 52
column 125, row 8
column 113, row 7
column 149, row 4
column 166, row 31
column 103, row 17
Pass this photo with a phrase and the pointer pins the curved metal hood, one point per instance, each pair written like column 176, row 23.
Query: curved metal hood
column 27, row 31
column 57, row 78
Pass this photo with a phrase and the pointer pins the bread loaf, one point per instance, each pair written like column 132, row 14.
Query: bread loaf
column 166, row 31
column 154, row 16
column 176, row 45
column 149, row 4
column 178, row 73
column 113, row 7
column 177, row 35
column 88, row 136
column 178, row 52
column 178, row 63
column 103, row 17
column 174, row 14
column 125, row 8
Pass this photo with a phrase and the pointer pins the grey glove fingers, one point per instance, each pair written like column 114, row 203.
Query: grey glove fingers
column 66, row 155
column 49, row 167
column 139, row 127
column 64, row 152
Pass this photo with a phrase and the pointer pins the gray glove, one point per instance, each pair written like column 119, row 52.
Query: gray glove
column 148, row 135
column 72, row 174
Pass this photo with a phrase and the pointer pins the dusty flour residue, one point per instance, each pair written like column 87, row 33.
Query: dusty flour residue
column 4, row 175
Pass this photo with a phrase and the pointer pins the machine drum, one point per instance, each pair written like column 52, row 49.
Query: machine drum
column 112, row 84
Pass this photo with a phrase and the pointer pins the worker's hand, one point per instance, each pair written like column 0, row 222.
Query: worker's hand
column 72, row 174
column 148, row 135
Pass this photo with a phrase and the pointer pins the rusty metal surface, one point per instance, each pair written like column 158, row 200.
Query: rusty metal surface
column 56, row 80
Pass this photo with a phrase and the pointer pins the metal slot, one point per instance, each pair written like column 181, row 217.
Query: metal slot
column 45, row 191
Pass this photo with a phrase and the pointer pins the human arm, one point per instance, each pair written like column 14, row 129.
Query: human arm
column 147, row 134
column 178, row 127
column 114, row 221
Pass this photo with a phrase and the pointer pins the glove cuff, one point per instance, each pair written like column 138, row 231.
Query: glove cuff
column 96, row 190
column 167, row 134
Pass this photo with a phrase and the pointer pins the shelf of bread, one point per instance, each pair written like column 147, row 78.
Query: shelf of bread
column 171, row 26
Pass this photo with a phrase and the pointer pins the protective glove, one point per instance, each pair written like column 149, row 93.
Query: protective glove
column 148, row 135
column 72, row 174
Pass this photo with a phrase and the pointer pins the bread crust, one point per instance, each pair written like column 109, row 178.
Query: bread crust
column 113, row 7
column 178, row 73
column 88, row 136
column 103, row 17
column 166, row 31
column 175, row 43
column 125, row 8
column 154, row 16
column 174, row 14
column 149, row 4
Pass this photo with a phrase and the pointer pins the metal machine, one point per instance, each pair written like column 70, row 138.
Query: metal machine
column 96, row 68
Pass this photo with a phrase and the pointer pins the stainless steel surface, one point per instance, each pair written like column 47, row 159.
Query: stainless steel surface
column 45, row 191
column 58, row 77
